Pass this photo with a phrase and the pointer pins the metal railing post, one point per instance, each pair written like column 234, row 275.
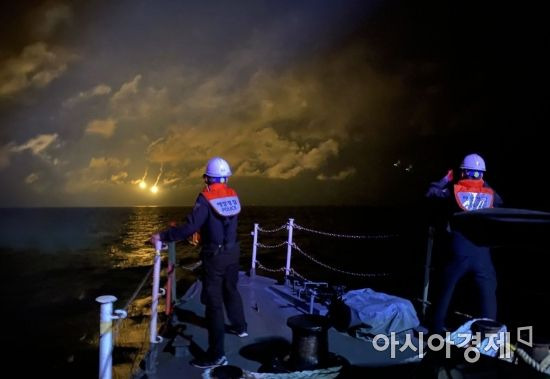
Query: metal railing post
column 427, row 269
column 106, row 334
column 154, row 338
column 254, row 250
column 171, row 278
column 172, row 260
column 289, row 248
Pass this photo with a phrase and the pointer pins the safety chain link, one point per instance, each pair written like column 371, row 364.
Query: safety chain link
column 271, row 246
column 284, row 226
column 261, row 266
column 296, row 273
column 334, row 268
column 370, row 236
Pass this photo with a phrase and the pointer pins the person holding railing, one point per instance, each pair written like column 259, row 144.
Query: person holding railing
column 469, row 192
column 215, row 215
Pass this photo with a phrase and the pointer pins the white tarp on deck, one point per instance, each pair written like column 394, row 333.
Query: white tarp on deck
column 381, row 313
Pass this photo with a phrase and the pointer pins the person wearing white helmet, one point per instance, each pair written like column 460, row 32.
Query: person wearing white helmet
column 473, row 166
column 466, row 193
column 215, row 215
column 217, row 171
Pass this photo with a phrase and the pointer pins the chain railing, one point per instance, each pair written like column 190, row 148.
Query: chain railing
column 271, row 246
column 280, row 269
column 288, row 270
column 284, row 226
column 290, row 225
column 366, row 275
column 337, row 235
column 261, row 266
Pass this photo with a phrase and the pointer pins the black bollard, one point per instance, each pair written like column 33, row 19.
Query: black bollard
column 485, row 327
column 226, row 372
column 309, row 341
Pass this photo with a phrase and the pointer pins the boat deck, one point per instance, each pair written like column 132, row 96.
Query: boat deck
column 267, row 309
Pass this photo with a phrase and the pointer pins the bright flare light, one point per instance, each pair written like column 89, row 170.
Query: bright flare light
column 142, row 184
column 154, row 189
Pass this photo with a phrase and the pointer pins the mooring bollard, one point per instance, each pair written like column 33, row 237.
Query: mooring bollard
column 309, row 341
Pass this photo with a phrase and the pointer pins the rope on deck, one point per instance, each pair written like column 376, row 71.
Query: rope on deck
column 326, row 373
column 543, row 366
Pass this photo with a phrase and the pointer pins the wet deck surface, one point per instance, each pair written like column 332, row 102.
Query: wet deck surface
column 269, row 336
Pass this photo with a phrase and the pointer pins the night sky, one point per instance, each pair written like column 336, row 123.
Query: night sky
column 311, row 102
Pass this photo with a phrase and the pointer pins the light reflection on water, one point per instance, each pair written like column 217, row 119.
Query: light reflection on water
column 132, row 250
column 54, row 262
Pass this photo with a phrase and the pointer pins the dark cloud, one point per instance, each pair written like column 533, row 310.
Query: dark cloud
column 315, row 100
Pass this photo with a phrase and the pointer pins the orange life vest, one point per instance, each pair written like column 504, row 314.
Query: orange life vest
column 470, row 194
column 223, row 199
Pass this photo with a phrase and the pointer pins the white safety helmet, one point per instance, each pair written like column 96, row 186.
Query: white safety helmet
column 473, row 162
column 217, row 168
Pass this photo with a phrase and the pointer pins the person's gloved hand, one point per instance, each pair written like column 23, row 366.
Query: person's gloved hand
column 449, row 177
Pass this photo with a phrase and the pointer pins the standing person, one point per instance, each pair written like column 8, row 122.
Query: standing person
column 469, row 192
column 215, row 216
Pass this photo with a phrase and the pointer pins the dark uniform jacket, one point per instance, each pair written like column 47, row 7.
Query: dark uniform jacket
column 218, row 233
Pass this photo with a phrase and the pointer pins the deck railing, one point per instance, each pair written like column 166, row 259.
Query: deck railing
column 293, row 246
column 108, row 332
column 107, row 336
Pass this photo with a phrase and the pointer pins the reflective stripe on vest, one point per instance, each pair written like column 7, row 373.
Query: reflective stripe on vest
column 471, row 195
column 222, row 199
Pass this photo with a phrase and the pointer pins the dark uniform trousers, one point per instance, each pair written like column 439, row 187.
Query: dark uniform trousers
column 220, row 277
column 467, row 258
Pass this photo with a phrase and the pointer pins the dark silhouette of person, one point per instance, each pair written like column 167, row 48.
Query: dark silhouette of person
column 469, row 192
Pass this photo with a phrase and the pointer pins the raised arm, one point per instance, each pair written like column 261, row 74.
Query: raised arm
column 441, row 189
